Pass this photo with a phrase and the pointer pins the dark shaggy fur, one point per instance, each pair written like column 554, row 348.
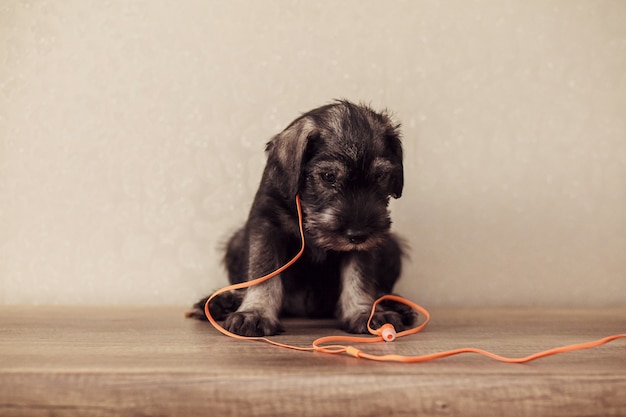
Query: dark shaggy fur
column 345, row 161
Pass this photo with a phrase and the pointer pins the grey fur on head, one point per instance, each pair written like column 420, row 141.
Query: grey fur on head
column 345, row 162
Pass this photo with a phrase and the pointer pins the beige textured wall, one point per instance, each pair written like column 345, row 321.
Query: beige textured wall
column 132, row 134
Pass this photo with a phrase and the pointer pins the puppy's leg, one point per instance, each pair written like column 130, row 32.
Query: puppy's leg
column 356, row 298
column 388, row 268
column 363, row 280
column 258, row 313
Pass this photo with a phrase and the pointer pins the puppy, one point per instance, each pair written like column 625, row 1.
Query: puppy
column 345, row 162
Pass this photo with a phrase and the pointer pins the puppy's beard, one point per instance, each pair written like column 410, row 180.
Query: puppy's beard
column 326, row 230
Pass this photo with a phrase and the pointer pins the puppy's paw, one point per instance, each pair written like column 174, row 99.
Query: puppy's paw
column 355, row 324
column 220, row 307
column 401, row 320
column 225, row 304
column 252, row 323
column 407, row 314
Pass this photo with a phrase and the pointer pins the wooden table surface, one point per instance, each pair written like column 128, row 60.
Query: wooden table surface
column 131, row 361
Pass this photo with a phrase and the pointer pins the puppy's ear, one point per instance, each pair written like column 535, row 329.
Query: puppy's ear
column 394, row 144
column 286, row 152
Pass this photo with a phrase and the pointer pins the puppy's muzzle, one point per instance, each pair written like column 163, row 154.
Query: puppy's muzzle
column 343, row 227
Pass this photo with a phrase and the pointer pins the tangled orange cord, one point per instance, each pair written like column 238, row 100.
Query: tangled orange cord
column 333, row 344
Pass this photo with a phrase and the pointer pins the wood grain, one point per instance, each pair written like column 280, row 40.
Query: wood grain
column 129, row 361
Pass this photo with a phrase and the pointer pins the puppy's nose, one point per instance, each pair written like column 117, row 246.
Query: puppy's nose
column 356, row 236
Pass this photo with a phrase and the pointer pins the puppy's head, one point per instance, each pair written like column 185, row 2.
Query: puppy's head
column 345, row 161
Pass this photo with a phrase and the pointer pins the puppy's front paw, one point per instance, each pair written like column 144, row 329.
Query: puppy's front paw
column 252, row 323
column 401, row 320
column 355, row 324
column 407, row 314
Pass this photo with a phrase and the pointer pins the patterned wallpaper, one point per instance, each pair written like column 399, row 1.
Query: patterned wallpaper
column 132, row 135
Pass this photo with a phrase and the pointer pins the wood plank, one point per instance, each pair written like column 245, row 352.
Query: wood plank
column 128, row 361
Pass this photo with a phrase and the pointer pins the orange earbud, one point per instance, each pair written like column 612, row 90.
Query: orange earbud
column 387, row 332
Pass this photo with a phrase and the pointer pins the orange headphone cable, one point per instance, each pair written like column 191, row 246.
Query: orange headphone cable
column 333, row 344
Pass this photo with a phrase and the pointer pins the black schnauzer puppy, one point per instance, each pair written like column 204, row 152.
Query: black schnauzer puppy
column 345, row 162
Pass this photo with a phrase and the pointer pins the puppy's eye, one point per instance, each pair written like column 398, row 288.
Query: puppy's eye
column 328, row 177
column 380, row 176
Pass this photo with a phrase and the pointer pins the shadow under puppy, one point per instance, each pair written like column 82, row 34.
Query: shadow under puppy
column 345, row 161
